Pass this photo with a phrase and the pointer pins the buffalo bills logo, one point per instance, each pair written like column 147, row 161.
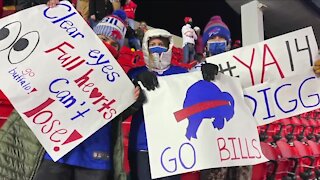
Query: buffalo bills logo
column 205, row 100
column 116, row 34
column 214, row 31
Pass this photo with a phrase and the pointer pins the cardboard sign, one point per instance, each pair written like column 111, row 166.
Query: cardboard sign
column 193, row 124
column 59, row 76
column 275, row 58
column 276, row 74
column 284, row 98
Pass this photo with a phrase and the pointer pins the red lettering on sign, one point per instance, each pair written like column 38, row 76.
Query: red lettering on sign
column 264, row 64
column 228, row 148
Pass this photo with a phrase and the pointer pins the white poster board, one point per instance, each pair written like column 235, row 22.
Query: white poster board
column 275, row 58
column 284, row 98
column 193, row 124
column 59, row 76
column 275, row 63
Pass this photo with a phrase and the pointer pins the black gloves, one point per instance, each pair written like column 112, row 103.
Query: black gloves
column 141, row 98
column 148, row 79
column 209, row 71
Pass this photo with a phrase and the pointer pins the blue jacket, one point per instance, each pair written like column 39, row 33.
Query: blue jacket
column 137, row 136
column 92, row 153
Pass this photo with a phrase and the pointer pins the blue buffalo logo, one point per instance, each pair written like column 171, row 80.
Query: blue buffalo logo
column 214, row 31
column 205, row 100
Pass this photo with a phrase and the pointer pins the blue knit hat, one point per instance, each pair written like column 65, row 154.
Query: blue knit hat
column 216, row 27
column 113, row 26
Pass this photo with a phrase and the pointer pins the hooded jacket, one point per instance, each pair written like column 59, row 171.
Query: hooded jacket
column 161, row 65
column 156, row 62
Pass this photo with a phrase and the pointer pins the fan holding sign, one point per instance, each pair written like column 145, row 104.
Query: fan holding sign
column 61, row 100
column 157, row 50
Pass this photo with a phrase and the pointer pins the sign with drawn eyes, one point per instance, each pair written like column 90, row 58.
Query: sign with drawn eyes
column 59, row 76
column 199, row 125
column 20, row 45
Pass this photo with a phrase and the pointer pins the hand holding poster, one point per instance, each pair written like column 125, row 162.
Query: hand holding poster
column 59, row 76
column 199, row 125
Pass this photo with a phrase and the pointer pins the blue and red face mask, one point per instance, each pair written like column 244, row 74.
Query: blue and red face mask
column 157, row 49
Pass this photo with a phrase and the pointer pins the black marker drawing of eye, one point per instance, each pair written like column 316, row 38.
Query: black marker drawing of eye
column 9, row 34
column 23, row 47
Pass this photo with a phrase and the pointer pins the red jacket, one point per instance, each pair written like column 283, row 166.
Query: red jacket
column 130, row 9
column 131, row 59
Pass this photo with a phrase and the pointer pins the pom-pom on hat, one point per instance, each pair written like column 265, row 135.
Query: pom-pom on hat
column 113, row 26
column 216, row 27
column 121, row 14
column 187, row 20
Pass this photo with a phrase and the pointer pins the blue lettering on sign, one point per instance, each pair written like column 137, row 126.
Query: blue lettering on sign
column 65, row 96
column 21, row 79
column 64, row 21
column 172, row 162
column 267, row 103
column 107, row 68
column 255, row 103
column 312, row 95
column 194, row 156
column 294, row 102
column 278, row 104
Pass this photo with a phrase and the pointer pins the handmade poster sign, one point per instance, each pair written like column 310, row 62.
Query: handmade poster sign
column 193, row 124
column 59, row 76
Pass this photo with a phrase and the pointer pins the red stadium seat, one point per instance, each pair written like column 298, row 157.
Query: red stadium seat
column 277, row 168
column 290, row 152
column 306, row 160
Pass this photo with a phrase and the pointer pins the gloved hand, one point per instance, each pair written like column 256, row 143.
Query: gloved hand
column 148, row 79
column 139, row 95
column 140, row 98
column 316, row 67
column 209, row 71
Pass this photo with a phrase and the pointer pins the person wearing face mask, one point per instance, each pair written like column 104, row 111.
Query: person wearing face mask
column 216, row 40
column 112, row 30
column 157, row 51
column 99, row 157
column 92, row 159
column 216, row 37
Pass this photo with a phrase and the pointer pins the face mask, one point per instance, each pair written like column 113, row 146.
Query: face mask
column 157, row 49
column 160, row 62
column 217, row 47
column 112, row 50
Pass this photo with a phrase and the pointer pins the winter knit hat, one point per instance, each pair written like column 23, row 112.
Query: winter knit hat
column 216, row 27
column 113, row 26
